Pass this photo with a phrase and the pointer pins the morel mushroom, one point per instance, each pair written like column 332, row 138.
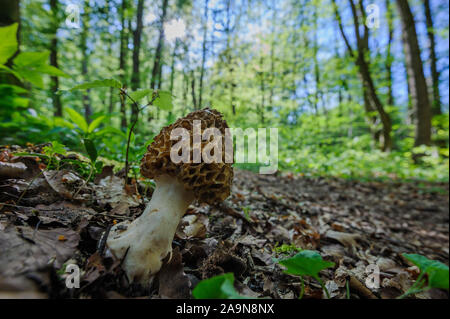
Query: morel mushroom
column 146, row 241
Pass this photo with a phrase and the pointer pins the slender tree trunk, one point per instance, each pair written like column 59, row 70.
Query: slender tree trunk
column 202, row 70
column 156, row 72
column 56, row 98
column 370, row 93
column 110, row 37
column 316, row 65
column 172, row 66
column 194, row 99
column 389, row 58
column 417, row 83
column 229, row 58
column 272, row 56
column 122, row 61
column 137, row 35
column 85, row 61
column 262, row 90
column 436, row 106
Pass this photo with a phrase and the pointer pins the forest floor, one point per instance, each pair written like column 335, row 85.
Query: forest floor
column 50, row 219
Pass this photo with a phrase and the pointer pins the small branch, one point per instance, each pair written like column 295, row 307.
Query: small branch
column 135, row 105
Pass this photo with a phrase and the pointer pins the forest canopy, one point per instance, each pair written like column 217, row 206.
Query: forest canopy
column 357, row 89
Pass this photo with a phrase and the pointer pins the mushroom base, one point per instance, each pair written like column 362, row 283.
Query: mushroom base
column 148, row 239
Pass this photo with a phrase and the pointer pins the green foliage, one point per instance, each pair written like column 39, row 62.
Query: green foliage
column 218, row 287
column 78, row 119
column 438, row 275
column 98, row 84
column 90, row 149
column 163, row 100
column 9, row 42
column 306, row 263
column 284, row 248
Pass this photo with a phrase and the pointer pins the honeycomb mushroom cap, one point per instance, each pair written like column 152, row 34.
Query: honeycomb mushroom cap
column 210, row 182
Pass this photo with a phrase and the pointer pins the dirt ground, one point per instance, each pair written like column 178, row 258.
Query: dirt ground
column 50, row 219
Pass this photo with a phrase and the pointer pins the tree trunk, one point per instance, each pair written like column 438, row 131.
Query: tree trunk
column 389, row 58
column 156, row 72
column 172, row 66
column 436, row 107
column 369, row 91
column 263, row 89
column 122, row 62
column 137, row 35
column 194, row 99
column 56, row 98
column 85, row 61
column 202, row 70
column 414, row 67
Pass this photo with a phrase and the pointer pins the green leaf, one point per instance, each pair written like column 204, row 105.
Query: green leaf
column 51, row 70
column 305, row 263
column 163, row 100
column 78, row 119
column 90, row 149
column 95, row 123
column 98, row 84
column 31, row 59
column 15, row 89
column 140, row 94
column 31, row 76
column 9, row 45
column 218, row 287
column 438, row 276
column 8, row 70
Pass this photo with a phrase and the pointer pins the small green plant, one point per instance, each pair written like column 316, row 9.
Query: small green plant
column 433, row 274
column 52, row 150
column 306, row 263
column 218, row 287
column 161, row 99
column 286, row 249
column 246, row 211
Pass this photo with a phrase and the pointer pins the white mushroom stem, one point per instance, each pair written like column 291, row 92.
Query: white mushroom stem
column 148, row 238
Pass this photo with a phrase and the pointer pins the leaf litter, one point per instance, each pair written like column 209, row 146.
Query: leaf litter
column 51, row 218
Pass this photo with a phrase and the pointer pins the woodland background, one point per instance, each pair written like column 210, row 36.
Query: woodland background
column 350, row 99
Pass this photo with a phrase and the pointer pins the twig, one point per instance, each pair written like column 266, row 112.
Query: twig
column 136, row 106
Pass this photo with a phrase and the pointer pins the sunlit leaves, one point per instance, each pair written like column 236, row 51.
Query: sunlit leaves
column 78, row 119
column 98, row 84
column 95, row 123
column 140, row 94
column 9, row 43
column 32, row 65
column 163, row 100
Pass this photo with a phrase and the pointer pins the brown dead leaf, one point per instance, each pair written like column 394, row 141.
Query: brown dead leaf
column 25, row 249
column 346, row 239
column 173, row 282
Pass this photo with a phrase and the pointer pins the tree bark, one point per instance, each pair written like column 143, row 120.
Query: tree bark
column 369, row 90
column 389, row 58
column 56, row 98
column 436, row 106
column 414, row 67
column 156, row 72
column 137, row 35
column 202, row 70
column 85, row 61
column 122, row 61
